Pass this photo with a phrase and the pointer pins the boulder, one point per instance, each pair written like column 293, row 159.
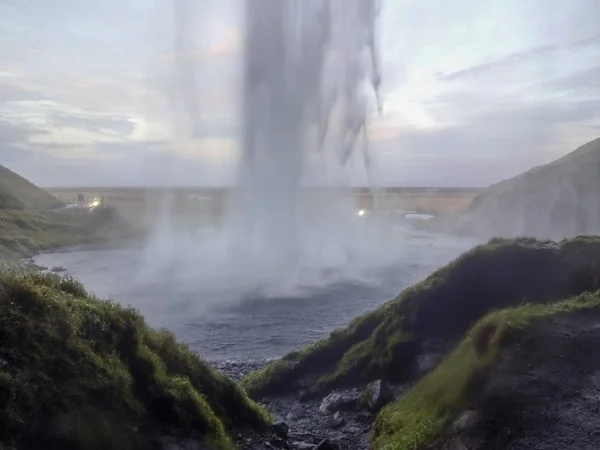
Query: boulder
column 295, row 413
column 302, row 446
column 326, row 444
column 337, row 421
column 340, row 400
column 281, row 429
column 378, row 394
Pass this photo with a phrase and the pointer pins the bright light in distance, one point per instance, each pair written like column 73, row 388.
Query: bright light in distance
column 361, row 212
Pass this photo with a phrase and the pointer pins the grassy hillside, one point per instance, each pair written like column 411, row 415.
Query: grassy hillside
column 18, row 193
column 465, row 381
column 556, row 200
column 28, row 224
column 385, row 343
column 80, row 373
column 24, row 232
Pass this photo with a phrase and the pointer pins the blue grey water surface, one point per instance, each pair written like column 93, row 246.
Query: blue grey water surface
column 253, row 326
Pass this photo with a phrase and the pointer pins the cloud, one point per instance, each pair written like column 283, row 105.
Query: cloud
column 519, row 58
column 11, row 132
column 9, row 93
column 489, row 146
column 586, row 81
column 472, row 91
column 228, row 44
column 513, row 59
column 96, row 123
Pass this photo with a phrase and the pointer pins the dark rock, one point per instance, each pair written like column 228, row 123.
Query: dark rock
column 467, row 420
column 171, row 443
column 237, row 369
column 295, row 413
column 326, row 444
column 340, row 400
column 431, row 353
column 58, row 269
column 279, row 443
column 337, row 421
column 281, row 429
column 355, row 429
column 379, row 394
column 302, row 446
column 303, row 395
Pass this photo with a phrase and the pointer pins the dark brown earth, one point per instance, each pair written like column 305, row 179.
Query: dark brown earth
column 543, row 395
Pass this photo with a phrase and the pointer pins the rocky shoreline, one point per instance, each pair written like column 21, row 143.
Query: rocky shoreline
column 343, row 419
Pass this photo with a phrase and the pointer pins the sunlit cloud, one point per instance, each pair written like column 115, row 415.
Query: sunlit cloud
column 467, row 86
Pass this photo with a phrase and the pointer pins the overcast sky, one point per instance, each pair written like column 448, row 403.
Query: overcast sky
column 473, row 91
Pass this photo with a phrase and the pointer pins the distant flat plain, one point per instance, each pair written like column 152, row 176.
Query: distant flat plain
column 140, row 204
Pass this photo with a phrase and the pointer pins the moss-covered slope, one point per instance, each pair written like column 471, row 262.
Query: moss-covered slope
column 25, row 232
column 18, row 193
column 511, row 378
column 386, row 342
column 80, row 373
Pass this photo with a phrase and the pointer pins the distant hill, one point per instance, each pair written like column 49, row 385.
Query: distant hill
column 556, row 200
column 18, row 193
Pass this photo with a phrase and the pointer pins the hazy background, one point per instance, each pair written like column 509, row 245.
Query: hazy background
column 474, row 92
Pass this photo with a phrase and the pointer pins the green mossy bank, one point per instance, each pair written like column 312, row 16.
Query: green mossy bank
column 32, row 220
column 385, row 343
column 80, row 373
column 421, row 416
column 26, row 232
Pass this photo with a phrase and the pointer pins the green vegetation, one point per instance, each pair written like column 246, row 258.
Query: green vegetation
column 384, row 343
column 77, row 372
column 420, row 416
column 24, row 232
column 80, row 373
column 18, row 193
column 28, row 223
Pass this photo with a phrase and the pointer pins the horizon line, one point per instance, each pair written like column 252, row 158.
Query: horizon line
column 470, row 188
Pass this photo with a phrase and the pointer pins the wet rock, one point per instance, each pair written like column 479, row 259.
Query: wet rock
column 58, row 269
column 355, row 429
column 467, row 420
column 279, row 443
column 335, row 422
column 170, row 443
column 364, row 417
column 341, row 400
column 432, row 352
column 281, row 429
column 295, row 413
column 426, row 362
column 35, row 267
column 303, row 395
column 326, row 444
column 379, row 394
column 302, row 446
column 237, row 369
